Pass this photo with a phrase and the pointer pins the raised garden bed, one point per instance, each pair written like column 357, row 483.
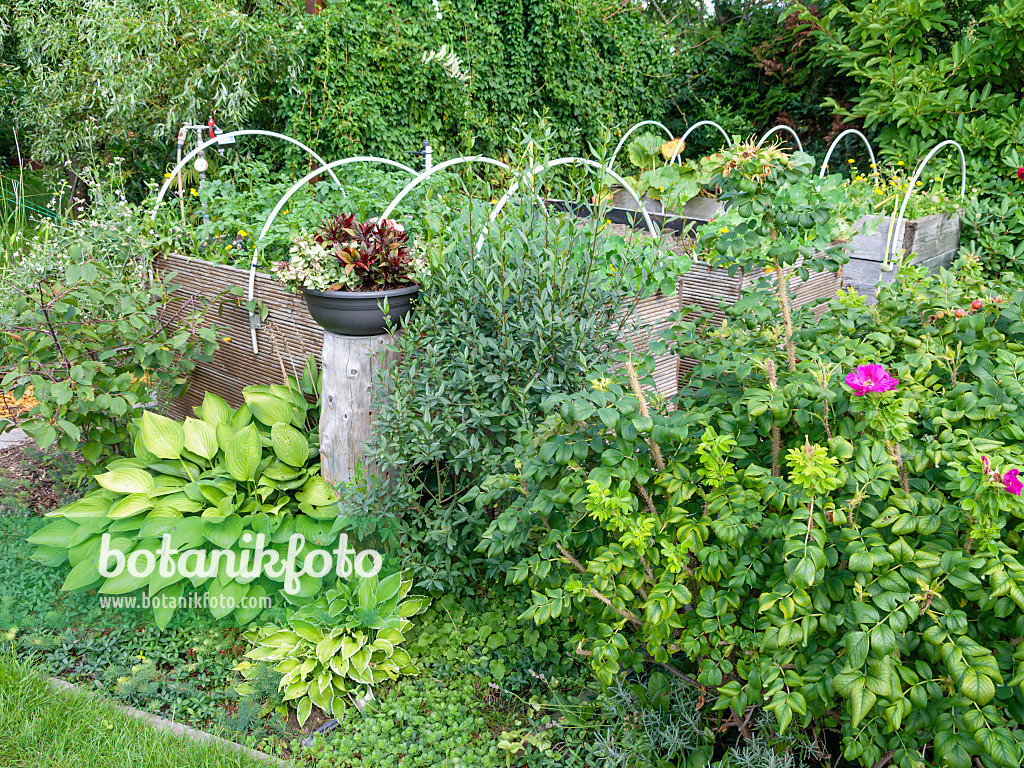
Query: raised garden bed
column 285, row 338
column 649, row 318
column 933, row 240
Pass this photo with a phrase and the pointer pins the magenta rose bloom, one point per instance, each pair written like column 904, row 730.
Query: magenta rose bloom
column 1012, row 483
column 1020, row 174
column 870, row 378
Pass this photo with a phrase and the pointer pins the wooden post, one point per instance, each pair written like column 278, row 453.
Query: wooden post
column 350, row 366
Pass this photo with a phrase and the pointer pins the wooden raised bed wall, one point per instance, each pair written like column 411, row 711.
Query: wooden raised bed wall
column 707, row 287
column 288, row 335
column 934, row 241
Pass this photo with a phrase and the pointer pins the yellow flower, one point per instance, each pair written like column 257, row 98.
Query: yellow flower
column 724, row 230
column 193, row 193
column 920, row 183
column 872, row 165
column 227, row 247
column 226, row 338
column 242, row 233
column 167, row 175
column 900, row 163
column 850, row 161
column 878, row 191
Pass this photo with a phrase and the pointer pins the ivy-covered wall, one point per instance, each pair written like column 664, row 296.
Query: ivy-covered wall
column 378, row 76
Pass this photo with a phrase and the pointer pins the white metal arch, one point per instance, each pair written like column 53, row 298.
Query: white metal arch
column 431, row 171
column 622, row 141
column 913, row 184
column 553, row 164
column 776, row 129
column 233, row 134
column 324, row 168
column 835, row 143
column 692, row 128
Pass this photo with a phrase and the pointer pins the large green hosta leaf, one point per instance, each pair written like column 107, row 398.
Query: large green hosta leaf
column 243, row 454
column 164, row 437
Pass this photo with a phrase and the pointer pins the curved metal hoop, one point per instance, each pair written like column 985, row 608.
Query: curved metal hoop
column 835, row 143
column 553, row 164
column 622, row 141
column 434, row 169
column 233, row 134
column 324, row 168
column 691, row 129
column 913, row 184
column 776, row 129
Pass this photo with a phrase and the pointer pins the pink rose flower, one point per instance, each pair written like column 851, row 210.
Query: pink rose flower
column 870, row 378
column 1020, row 174
column 1012, row 483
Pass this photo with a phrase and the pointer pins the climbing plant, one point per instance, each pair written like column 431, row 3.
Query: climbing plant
column 379, row 76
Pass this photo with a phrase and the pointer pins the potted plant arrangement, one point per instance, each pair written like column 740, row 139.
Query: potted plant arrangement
column 930, row 231
column 357, row 278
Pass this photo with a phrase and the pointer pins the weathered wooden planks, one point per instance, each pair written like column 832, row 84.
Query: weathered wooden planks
column 934, row 241
column 234, row 365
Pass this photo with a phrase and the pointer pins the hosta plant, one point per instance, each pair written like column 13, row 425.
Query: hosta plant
column 210, row 483
column 335, row 649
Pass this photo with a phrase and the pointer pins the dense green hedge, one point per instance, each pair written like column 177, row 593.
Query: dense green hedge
column 116, row 77
column 364, row 86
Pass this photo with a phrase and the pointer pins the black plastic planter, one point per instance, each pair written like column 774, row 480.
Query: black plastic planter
column 355, row 313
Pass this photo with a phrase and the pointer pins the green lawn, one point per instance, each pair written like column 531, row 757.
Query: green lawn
column 40, row 726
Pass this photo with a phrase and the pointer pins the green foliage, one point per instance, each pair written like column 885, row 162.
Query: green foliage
column 935, row 71
column 339, row 646
column 873, row 577
column 117, row 77
column 482, row 637
column 748, row 70
column 97, row 349
column 782, row 219
column 216, row 482
column 225, row 215
column 495, row 332
column 379, row 76
column 421, row 721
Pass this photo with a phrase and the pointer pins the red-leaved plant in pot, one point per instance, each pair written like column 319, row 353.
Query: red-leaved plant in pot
column 358, row 278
